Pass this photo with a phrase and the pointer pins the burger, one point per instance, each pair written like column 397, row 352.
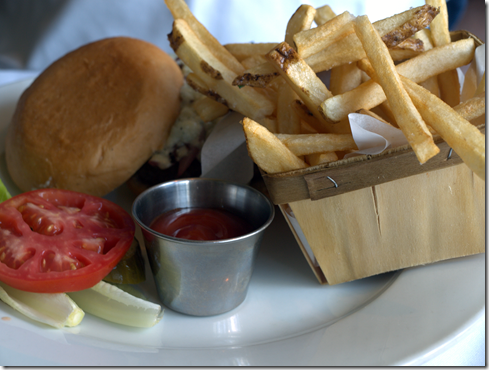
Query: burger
column 179, row 157
column 112, row 111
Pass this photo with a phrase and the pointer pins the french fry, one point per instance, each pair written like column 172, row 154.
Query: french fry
column 342, row 127
column 312, row 41
column 301, row 20
column 292, row 115
column 259, row 76
column 432, row 62
column 413, row 19
column 407, row 117
column 196, row 83
column 323, row 14
column 215, row 74
column 263, row 74
column 270, row 87
column 449, row 87
column 439, row 27
column 306, row 128
column 321, row 158
column 399, row 55
column 254, row 61
column 242, row 51
column 365, row 66
column 270, row 123
column 187, row 44
column 419, row 69
column 301, row 78
column 463, row 137
column 425, row 36
column 346, row 50
column 305, row 144
column 448, row 81
column 386, row 109
column 288, row 119
column 180, row 10
column 349, row 49
column 374, row 115
column 307, row 117
column 410, row 44
column 209, row 109
column 267, row 151
column 431, row 84
column 420, row 19
column 345, row 78
column 473, row 108
column 379, row 111
column 365, row 77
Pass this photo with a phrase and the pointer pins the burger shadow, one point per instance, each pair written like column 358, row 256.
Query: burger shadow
column 122, row 196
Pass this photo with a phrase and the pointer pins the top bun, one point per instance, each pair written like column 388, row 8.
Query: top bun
column 93, row 117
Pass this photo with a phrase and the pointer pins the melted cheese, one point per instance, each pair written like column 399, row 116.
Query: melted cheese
column 188, row 129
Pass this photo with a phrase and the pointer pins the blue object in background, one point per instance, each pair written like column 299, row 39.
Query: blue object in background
column 456, row 9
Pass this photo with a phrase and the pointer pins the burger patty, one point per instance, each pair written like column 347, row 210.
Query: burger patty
column 150, row 175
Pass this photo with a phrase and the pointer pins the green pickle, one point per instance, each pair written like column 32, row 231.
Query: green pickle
column 130, row 269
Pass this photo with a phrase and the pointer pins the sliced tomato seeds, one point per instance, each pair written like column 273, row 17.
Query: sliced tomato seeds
column 54, row 240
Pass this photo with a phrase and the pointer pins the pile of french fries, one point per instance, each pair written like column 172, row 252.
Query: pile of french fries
column 400, row 70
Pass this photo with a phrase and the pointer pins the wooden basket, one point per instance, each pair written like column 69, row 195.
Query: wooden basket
column 372, row 214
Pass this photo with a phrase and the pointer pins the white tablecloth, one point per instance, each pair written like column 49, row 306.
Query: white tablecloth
column 35, row 33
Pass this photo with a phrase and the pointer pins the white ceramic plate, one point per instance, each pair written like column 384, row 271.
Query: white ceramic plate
column 287, row 319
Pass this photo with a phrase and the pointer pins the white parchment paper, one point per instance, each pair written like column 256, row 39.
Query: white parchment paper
column 225, row 155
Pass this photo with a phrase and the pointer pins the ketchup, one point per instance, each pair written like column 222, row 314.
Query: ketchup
column 200, row 224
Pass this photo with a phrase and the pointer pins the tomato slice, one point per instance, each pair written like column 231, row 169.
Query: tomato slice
column 54, row 241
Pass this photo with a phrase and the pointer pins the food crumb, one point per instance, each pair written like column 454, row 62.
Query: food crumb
column 6, row 318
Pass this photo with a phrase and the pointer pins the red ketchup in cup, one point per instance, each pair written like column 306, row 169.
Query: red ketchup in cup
column 200, row 224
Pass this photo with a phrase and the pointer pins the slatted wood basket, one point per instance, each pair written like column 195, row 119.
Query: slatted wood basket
column 368, row 215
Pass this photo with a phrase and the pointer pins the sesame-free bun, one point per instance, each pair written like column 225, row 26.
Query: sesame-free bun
column 93, row 117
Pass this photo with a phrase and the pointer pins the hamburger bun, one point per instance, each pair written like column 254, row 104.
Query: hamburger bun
column 94, row 117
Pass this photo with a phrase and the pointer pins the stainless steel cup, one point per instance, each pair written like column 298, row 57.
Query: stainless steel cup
column 202, row 278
